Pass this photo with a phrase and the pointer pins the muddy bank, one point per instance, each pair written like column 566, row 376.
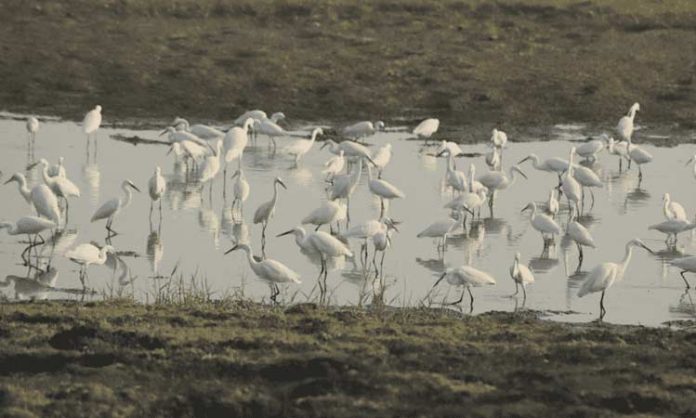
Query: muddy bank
column 527, row 62
column 110, row 359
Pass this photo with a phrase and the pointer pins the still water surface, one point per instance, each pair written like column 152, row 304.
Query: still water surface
column 197, row 229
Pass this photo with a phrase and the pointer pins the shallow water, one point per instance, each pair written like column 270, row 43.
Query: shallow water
column 196, row 228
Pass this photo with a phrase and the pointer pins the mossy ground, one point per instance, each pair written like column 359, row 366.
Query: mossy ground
column 245, row 359
column 520, row 62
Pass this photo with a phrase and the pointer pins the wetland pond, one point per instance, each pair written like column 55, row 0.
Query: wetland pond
column 198, row 227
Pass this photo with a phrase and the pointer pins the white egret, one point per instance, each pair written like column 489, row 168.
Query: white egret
column 334, row 165
column 542, row 222
column 441, row 230
column 300, row 147
column 449, row 147
column 86, row 255
column 605, row 275
column 32, row 127
column 499, row 138
column 381, row 157
column 92, row 121
column 350, row 149
column 301, row 240
column 639, row 156
column 455, row 179
column 241, row 189
column 31, row 226
column 157, row 186
column 589, row 150
column 190, row 151
column 268, row 270
column 266, row 210
column 381, row 241
column 552, row 165
column 672, row 209
column 687, row 265
column 57, row 170
column 61, row 186
column 250, row 114
column 367, row 230
column 467, row 277
column 326, row 214
column 426, row 128
column 474, row 185
column 362, row 129
column 570, row 186
column 383, row 190
column 625, row 126
column 201, row 131
column 493, row 159
column 236, row 141
column 672, row 228
column 113, row 207
column 270, row 128
column 619, row 149
column 521, row 275
column 587, row 179
column 468, row 202
column 579, row 235
column 552, row 205
column 496, row 181
column 41, row 197
column 210, row 167
column 180, row 136
column 343, row 186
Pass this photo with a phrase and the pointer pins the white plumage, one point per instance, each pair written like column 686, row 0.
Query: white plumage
column 625, row 126
column 382, row 156
column 92, row 120
column 499, row 138
column 300, row 147
column 236, row 140
column 327, row 213
column 266, row 210
column 41, row 197
column 201, row 131
column 28, row 225
column 334, row 165
column 426, row 128
column 362, row 129
column 673, row 210
column 343, row 186
column 111, row 208
column 552, row 165
column 521, row 275
column 542, row 222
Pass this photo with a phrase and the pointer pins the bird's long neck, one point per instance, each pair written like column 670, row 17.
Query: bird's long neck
column 300, row 237
column 357, row 172
column 513, row 176
column 632, row 113
column 11, row 228
column 627, row 257
column 127, row 196
column 275, row 193
column 23, row 189
column 369, row 173
column 46, row 178
column 516, row 267
column 533, row 211
column 250, row 256
column 535, row 162
column 314, row 137
column 570, row 164
column 665, row 206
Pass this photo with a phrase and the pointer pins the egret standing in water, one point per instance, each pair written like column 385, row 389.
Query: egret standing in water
column 639, row 156
column 441, row 230
column 32, row 227
column 32, row 127
column 543, row 223
column 590, row 149
column 334, row 166
column 499, row 138
column 327, row 213
column 270, row 128
column 265, row 211
column 268, row 270
column 619, row 149
column 625, row 126
column 201, row 131
column 235, row 142
column 580, row 235
column 521, row 275
column 112, row 208
column 87, row 254
column 552, row 205
column 496, row 181
column 343, row 186
column 240, row 189
column 92, row 122
column 362, row 129
column 383, row 190
column 300, row 147
column 41, row 197
column 426, row 128
column 381, row 157
column 672, row 228
column 157, row 186
column 467, row 277
column 687, row 265
column 672, row 210
column 61, row 186
column 605, row 275
column 552, row 165
column 570, row 186
column 58, row 170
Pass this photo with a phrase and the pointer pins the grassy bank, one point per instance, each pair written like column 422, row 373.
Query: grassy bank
column 237, row 359
column 469, row 62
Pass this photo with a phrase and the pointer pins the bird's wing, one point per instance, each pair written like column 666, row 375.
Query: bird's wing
column 599, row 279
column 279, row 272
column 67, row 187
column 107, row 209
column 262, row 212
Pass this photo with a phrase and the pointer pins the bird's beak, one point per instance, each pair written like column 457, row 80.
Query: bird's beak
column 231, row 249
column 471, row 212
column 8, row 181
column 163, row 132
column 236, row 173
column 32, row 165
column 689, row 161
column 521, row 173
column 525, row 208
column 282, row 184
column 442, row 276
column 284, row 233
column 135, row 187
column 441, row 153
column 523, row 160
column 324, row 145
column 648, row 249
column 170, row 150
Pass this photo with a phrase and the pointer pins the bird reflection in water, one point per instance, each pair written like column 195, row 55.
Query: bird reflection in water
column 38, row 286
column 155, row 251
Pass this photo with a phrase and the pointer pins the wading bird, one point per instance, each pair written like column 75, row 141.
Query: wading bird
column 235, row 141
column 157, row 186
column 620, row 149
column 32, row 127
column 672, row 228
column 343, row 186
column 467, row 277
column 552, row 205
column 92, row 122
column 201, row 131
column 253, row 114
column 687, row 265
column 441, row 230
column 175, row 136
column 499, row 138
column 381, row 157
column 269, row 270
column 300, row 147
column 61, row 186
column 426, row 128
column 57, row 170
column 351, row 150
column 240, row 189
column 334, row 166
column 639, row 156
column 579, row 235
column 570, row 186
column 112, row 208
column 362, row 129
column 625, row 126
column 327, row 213
column 32, row 227
column 590, row 149
column 454, row 178
column 543, row 223
column 521, row 275
column 87, row 254
column 266, row 210
column 496, row 181
column 605, row 275
column 270, row 127
column 672, row 210
column 450, row 148
column 367, row 230
column 383, row 190
column 552, row 165
column 41, row 197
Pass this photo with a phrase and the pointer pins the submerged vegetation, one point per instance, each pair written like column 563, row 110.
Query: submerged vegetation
column 235, row 358
column 522, row 62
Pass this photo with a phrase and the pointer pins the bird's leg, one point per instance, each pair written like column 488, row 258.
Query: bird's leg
column 374, row 263
column 517, row 290
column 160, row 210
column 263, row 239
column 150, row 217
column 381, row 266
column 592, row 205
column 684, row 278
column 319, row 226
column 524, row 295
column 640, row 172
column 602, row 311
column 620, row 164
column 461, row 298
column 471, row 296
column 381, row 208
column 67, row 210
